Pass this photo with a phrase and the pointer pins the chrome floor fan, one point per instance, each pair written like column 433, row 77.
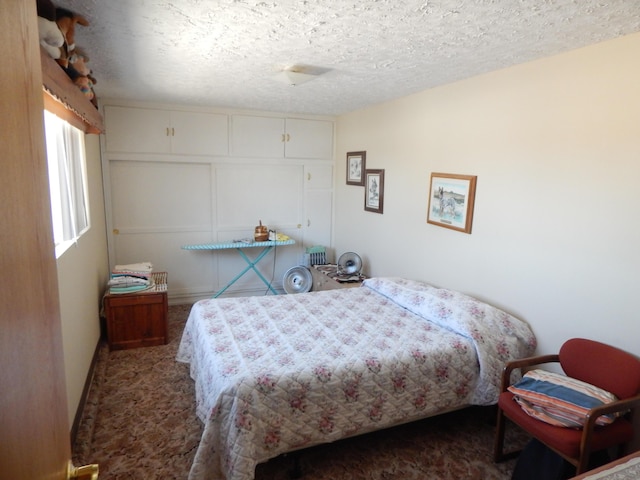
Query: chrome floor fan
column 349, row 263
column 297, row 280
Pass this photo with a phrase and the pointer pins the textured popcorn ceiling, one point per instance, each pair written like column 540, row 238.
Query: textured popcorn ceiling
column 226, row 53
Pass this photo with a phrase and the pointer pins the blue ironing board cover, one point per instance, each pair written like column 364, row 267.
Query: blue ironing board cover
column 223, row 246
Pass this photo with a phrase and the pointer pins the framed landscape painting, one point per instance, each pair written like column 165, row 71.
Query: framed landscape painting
column 451, row 200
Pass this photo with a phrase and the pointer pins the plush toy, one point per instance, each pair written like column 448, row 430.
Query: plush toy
column 66, row 21
column 78, row 64
column 57, row 35
column 51, row 37
column 85, row 85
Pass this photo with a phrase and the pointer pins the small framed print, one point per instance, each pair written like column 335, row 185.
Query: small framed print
column 374, row 191
column 356, row 164
column 451, row 200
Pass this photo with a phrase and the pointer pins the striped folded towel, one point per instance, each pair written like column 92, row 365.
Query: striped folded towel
column 560, row 400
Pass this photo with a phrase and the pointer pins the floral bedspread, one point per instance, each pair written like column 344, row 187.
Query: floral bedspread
column 278, row 373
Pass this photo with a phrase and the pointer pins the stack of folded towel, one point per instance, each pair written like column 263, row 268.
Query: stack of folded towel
column 134, row 277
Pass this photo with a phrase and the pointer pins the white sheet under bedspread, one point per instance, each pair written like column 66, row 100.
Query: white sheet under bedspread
column 275, row 374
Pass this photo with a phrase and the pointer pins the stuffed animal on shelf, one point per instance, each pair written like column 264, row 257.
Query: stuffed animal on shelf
column 80, row 73
column 78, row 64
column 85, row 84
column 51, row 37
column 66, row 21
column 56, row 27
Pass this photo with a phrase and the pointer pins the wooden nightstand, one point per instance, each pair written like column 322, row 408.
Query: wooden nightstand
column 325, row 277
column 138, row 319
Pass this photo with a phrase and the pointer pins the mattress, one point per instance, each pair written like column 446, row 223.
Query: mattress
column 275, row 374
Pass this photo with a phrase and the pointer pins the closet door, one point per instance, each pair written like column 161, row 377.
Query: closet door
column 137, row 130
column 143, row 130
column 156, row 207
column 194, row 133
column 253, row 136
column 318, row 205
column 308, row 138
column 271, row 137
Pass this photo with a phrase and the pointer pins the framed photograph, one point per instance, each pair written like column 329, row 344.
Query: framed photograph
column 451, row 199
column 374, row 191
column 356, row 165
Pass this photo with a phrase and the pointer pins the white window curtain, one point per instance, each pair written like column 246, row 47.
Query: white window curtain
column 67, row 180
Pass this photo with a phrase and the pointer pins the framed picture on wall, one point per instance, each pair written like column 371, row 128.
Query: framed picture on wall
column 374, row 191
column 451, row 200
column 356, row 164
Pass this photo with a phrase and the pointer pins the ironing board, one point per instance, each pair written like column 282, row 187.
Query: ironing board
column 239, row 246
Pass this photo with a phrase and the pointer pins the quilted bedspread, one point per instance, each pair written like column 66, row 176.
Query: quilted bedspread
column 278, row 373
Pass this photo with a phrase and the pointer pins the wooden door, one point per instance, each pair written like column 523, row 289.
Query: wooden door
column 34, row 426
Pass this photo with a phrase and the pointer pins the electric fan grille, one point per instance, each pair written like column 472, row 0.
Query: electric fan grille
column 349, row 263
column 297, row 280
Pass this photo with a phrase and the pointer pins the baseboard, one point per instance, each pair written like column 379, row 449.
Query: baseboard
column 85, row 394
column 191, row 298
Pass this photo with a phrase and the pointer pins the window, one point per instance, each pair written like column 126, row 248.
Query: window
column 67, row 181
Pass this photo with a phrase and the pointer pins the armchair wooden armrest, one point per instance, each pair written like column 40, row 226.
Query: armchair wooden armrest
column 524, row 362
column 626, row 405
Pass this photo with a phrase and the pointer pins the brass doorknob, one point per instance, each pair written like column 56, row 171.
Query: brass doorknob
column 85, row 472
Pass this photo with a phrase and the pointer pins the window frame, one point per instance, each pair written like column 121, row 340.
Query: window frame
column 68, row 186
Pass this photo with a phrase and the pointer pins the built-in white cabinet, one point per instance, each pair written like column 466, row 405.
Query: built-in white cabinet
column 180, row 177
column 308, row 138
column 271, row 137
column 142, row 130
column 318, row 205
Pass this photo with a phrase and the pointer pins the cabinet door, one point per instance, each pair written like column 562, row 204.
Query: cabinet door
column 318, row 206
column 253, row 136
column 318, row 176
column 195, row 133
column 309, row 138
column 137, row 130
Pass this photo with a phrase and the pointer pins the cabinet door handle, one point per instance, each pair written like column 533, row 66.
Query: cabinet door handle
column 308, row 223
column 283, row 138
column 288, row 137
column 173, row 132
column 309, row 176
column 167, row 131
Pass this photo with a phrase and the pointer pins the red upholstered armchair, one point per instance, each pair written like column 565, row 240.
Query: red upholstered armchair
column 595, row 363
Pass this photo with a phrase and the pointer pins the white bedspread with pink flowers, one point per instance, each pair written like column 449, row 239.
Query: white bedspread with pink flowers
column 275, row 374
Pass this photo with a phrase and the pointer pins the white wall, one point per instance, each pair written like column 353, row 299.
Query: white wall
column 82, row 275
column 555, row 144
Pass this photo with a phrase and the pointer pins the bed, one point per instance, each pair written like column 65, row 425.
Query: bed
column 275, row 374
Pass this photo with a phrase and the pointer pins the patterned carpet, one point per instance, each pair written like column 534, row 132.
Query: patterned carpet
column 140, row 423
